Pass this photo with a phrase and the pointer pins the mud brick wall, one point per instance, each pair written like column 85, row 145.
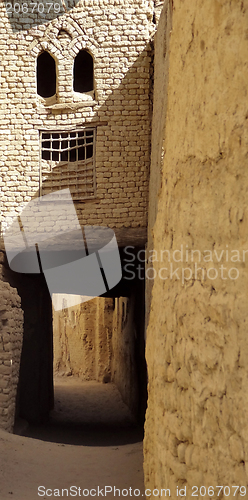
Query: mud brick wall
column 128, row 367
column 124, row 369
column 82, row 339
column 197, row 337
column 117, row 34
column 11, row 335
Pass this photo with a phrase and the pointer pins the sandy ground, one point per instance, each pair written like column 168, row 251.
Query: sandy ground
column 90, row 442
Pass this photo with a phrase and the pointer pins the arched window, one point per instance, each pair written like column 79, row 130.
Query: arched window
column 46, row 75
column 83, row 73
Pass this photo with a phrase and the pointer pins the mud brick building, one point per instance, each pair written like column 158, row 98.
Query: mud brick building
column 164, row 102
column 76, row 107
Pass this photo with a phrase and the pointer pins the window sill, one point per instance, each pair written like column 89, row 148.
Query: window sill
column 69, row 106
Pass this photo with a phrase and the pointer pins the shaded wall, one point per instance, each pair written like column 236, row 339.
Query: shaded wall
column 197, row 342
column 11, row 323
column 35, row 392
column 124, row 370
column 35, row 377
column 128, row 365
column 161, row 68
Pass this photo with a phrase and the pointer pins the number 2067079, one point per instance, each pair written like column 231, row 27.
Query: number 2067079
column 32, row 7
column 220, row 491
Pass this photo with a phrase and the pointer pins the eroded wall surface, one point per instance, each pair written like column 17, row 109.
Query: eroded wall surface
column 11, row 321
column 197, row 342
column 160, row 91
column 82, row 340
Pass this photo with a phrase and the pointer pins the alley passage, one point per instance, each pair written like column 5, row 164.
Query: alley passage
column 105, row 446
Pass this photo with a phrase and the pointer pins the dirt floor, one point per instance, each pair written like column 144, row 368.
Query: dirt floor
column 90, row 441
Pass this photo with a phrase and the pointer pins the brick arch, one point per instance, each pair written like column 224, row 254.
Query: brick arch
column 68, row 24
column 37, row 49
column 50, row 47
column 79, row 40
column 84, row 43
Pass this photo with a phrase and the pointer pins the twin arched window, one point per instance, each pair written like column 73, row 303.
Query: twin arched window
column 83, row 74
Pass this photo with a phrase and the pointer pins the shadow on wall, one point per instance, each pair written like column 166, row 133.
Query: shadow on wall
column 84, row 168
column 22, row 15
column 35, row 379
column 81, row 167
column 119, row 347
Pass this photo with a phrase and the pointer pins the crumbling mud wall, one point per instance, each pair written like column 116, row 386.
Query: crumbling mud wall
column 82, row 340
column 197, row 342
column 11, row 321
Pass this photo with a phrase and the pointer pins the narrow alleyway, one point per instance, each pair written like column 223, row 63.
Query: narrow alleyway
column 91, row 440
column 87, row 413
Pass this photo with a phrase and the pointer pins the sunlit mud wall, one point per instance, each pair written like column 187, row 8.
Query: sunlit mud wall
column 82, row 340
column 197, row 338
column 11, row 334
